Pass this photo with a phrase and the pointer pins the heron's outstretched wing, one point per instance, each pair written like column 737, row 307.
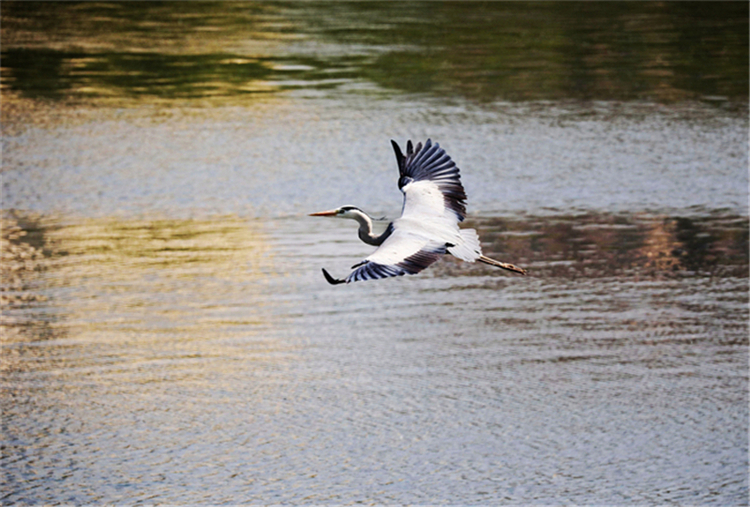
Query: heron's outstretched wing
column 430, row 181
column 401, row 254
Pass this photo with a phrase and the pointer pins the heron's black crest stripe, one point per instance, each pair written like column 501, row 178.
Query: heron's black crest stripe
column 432, row 163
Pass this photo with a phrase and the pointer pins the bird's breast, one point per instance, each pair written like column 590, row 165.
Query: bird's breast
column 430, row 228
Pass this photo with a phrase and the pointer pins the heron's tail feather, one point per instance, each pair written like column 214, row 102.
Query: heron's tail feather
column 503, row 265
column 469, row 249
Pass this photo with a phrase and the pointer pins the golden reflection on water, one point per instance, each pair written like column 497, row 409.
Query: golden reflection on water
column 172, row 295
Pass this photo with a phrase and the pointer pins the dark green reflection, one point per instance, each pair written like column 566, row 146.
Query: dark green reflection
column 666, row 52
column 52, row 74
column 596, row 50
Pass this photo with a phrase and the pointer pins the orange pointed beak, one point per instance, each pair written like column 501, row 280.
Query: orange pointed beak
column 329, row 213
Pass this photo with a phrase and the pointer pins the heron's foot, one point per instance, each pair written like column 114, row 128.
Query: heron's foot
column 503, row 265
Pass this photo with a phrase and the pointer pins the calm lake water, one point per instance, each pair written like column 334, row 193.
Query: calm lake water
column 168, row 337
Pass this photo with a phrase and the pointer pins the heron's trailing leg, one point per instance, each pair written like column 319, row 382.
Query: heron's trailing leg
column 503, row 265
column 332, row 280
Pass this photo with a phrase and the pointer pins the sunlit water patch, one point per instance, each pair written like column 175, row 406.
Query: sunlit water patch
column 288, row 158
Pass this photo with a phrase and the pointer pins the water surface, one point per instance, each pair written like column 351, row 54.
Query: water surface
column 168, row 337
column 240, row 52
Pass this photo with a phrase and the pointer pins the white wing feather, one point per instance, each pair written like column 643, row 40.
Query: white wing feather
column 434, row 203
column 397, row 247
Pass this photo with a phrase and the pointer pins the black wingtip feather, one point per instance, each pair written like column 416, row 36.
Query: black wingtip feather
column 330, row 279
column 399, row 156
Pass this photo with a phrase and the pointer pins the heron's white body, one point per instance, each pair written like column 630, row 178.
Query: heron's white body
column 424, row 222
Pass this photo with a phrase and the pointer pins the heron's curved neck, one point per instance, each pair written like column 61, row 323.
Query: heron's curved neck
column 365, row 230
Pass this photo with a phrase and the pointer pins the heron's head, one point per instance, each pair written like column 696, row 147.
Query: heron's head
column 343, row 212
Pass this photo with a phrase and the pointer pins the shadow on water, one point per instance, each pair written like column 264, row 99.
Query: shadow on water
column 593, row 245
column 665, row 52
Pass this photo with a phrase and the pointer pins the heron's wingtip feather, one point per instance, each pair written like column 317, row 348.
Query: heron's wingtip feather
column 330, row 279
column 399, row 155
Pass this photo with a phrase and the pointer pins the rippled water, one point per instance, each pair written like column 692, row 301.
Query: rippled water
column 168, row 337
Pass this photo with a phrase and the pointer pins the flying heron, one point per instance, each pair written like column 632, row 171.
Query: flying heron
column 434, row 204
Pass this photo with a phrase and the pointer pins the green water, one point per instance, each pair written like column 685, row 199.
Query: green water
column 482, row 51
